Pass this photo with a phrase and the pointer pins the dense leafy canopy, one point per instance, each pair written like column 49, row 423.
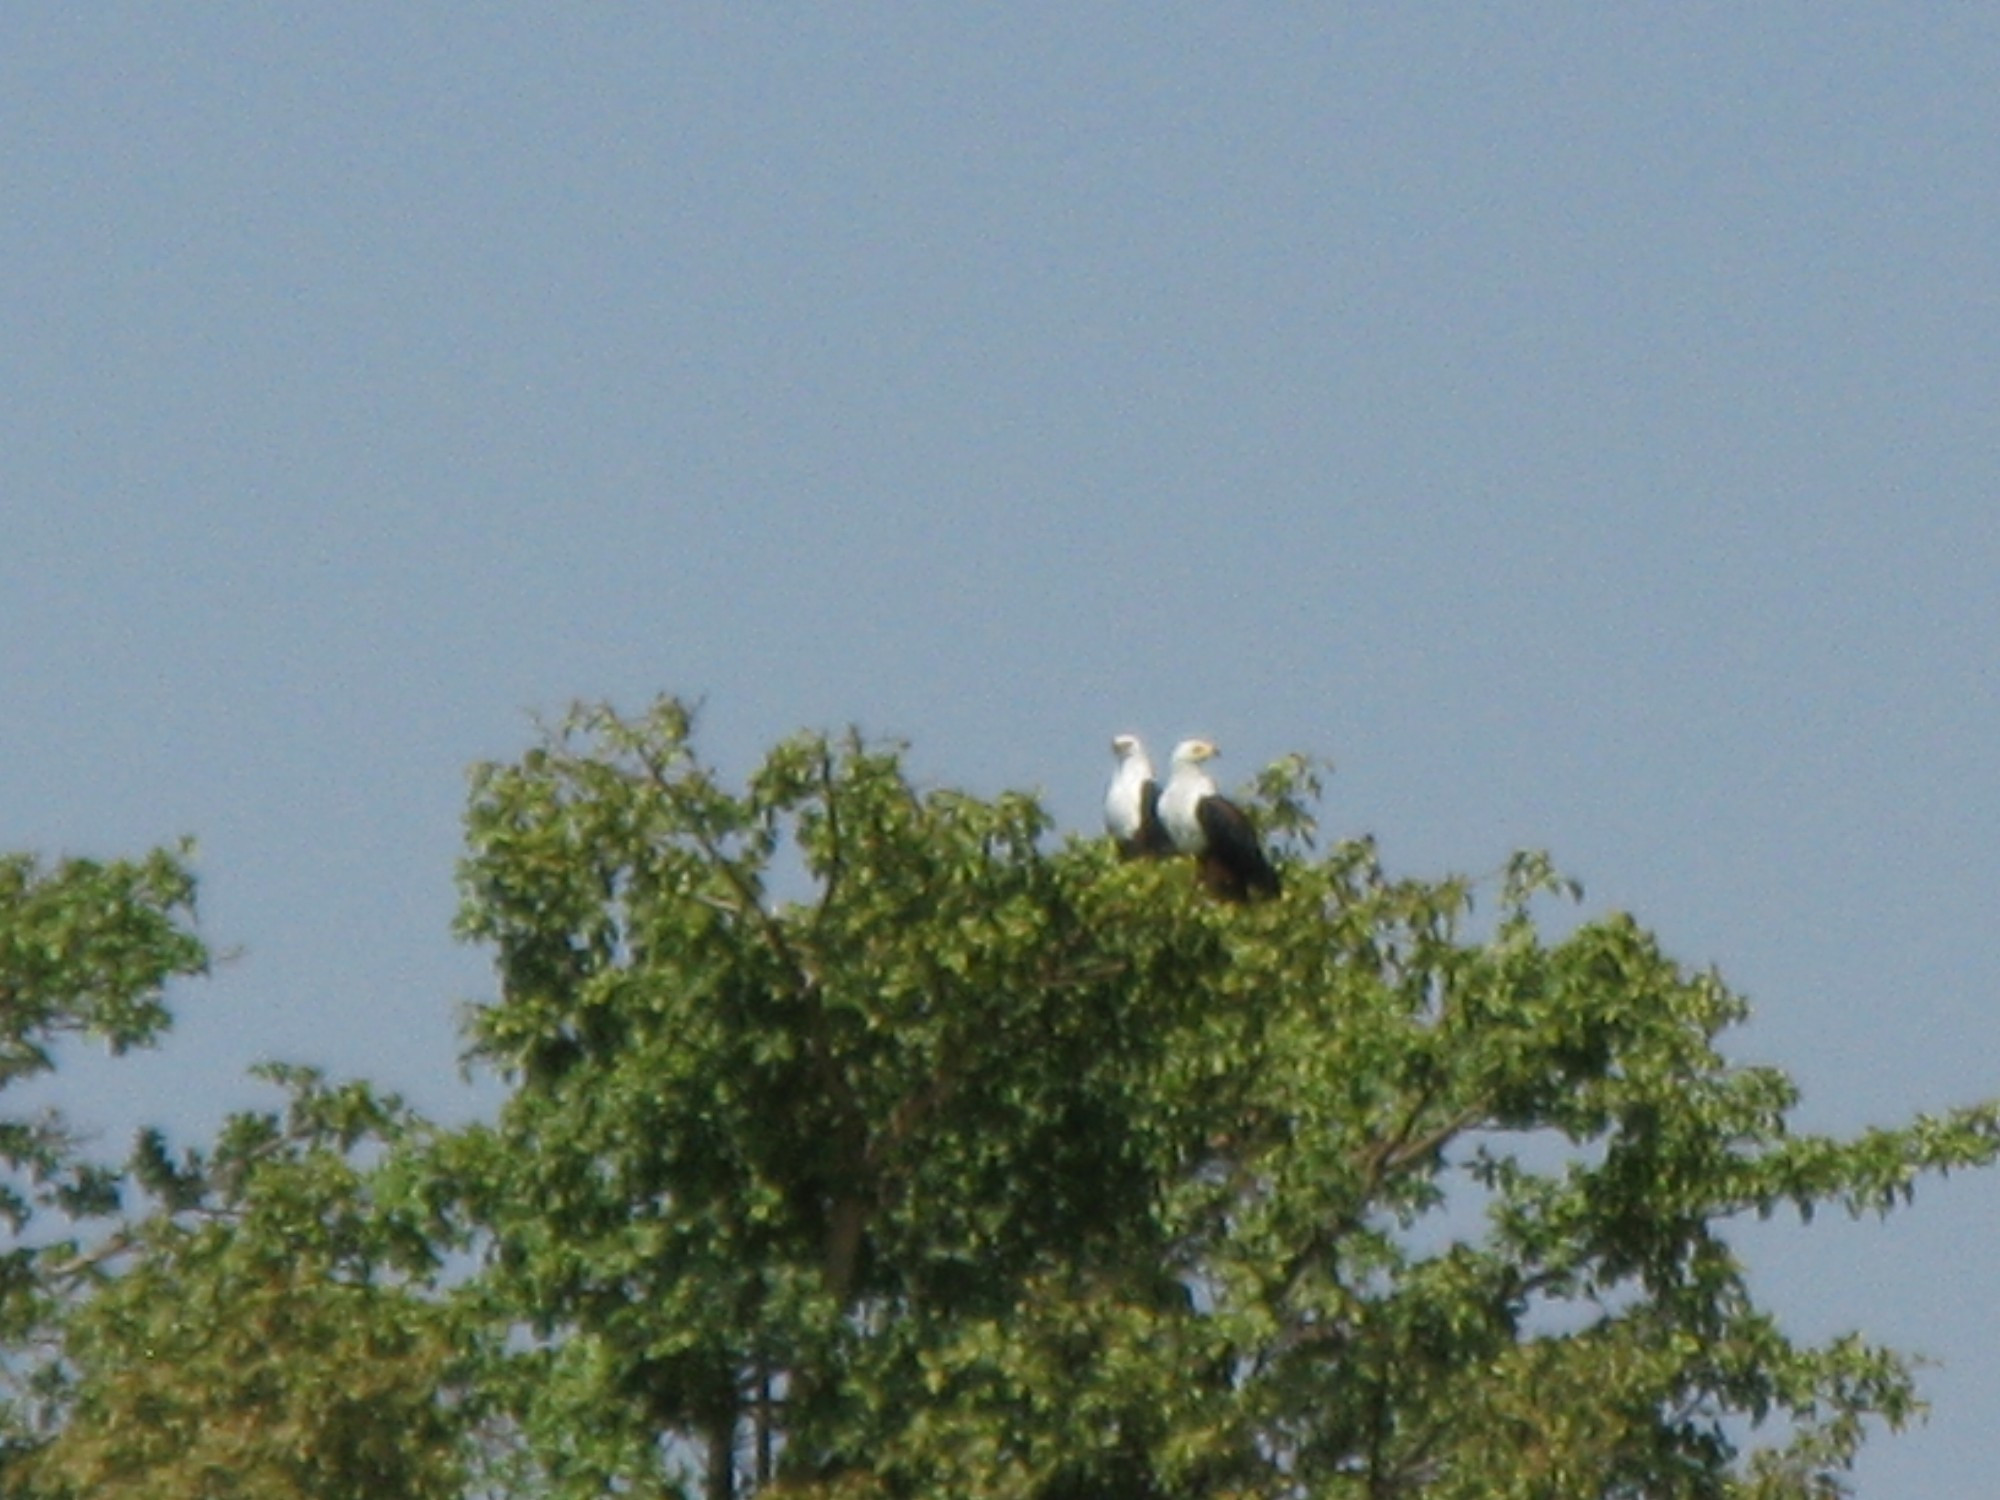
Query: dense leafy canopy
column 867, row 1139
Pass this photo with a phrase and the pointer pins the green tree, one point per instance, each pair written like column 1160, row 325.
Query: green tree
column 272, row 1328
column 87, row 949
column 864, row 1141
column 261, row 1320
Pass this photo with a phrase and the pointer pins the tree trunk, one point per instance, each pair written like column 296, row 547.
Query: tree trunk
column 721, row 1437
column 846, row 1221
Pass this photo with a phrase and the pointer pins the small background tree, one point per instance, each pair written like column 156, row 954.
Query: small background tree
column 87, row 948
column 262, row 1319
column 272, row 1329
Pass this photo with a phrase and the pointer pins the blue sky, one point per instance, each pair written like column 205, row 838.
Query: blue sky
column 1578, row 422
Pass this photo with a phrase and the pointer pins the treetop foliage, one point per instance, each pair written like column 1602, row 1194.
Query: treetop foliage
column 870, row 1139
column 871, row 1127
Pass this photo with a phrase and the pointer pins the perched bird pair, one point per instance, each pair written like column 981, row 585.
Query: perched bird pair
column 1188, row 817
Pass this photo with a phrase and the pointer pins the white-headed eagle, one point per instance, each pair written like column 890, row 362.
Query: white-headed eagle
column 1202, row 822
column 1132, row 802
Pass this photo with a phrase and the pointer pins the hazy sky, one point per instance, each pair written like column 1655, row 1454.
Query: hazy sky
column 1577, row 421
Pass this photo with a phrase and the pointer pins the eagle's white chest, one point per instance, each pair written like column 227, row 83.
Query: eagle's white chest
column 1123, row 810
column 1178, row 808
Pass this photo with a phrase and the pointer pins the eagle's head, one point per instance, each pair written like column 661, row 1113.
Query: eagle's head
column 1194, row 752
